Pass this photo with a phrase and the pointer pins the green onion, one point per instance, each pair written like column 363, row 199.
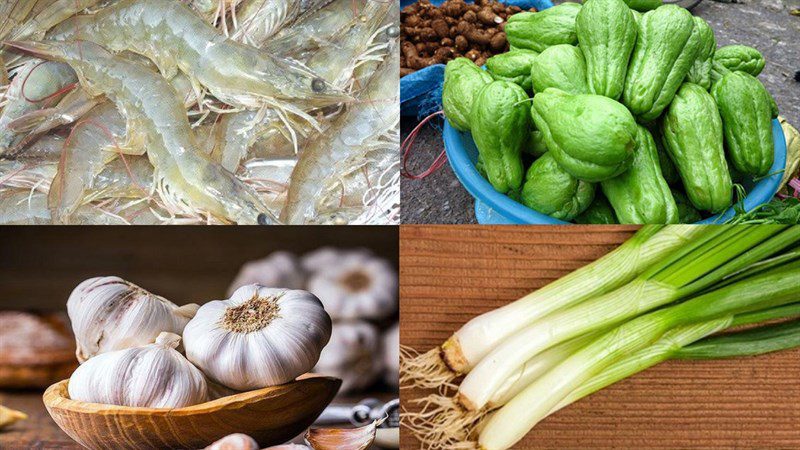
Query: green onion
column 474, row 340
column 753, row 342
column 671, row 345
column 687, row 272
column 773, row 288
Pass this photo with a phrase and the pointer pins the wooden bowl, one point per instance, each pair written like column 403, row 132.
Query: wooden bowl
column 271, row 416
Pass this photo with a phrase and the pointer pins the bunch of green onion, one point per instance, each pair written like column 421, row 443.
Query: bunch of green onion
column 658, row 296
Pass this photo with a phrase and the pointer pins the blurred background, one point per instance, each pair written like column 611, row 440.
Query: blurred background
column 353, row 271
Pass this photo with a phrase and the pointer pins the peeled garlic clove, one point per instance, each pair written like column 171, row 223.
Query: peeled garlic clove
column 342, row 438
column 356, row 286
column 10, row 416
column 260, row 337
column 237, row 441
column 353, row 354
column 151, row 376
column 109, row 313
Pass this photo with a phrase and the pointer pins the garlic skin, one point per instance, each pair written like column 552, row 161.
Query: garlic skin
column 278, row 269
column 259, row 337
column 391, row 356
column 152, row 376
column 353, row 354
column 109, row 313
column 356, row 285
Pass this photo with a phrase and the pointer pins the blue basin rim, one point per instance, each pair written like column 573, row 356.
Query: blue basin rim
column 493, row 207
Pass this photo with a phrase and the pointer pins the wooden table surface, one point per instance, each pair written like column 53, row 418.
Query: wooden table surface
column 450, row 274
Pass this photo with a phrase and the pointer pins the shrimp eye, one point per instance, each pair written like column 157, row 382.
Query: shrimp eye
column 262, row 219
column 318, row 85
column 393, row 31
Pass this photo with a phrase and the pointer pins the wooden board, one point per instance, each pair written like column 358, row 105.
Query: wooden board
column 450, row 274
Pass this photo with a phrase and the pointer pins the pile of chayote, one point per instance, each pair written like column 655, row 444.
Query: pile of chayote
column 642, row 104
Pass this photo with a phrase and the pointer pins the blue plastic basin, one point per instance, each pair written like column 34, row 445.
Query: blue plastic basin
column 492, row 207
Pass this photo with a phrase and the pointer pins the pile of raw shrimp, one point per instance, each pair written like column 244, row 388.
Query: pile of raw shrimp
column 199, row 112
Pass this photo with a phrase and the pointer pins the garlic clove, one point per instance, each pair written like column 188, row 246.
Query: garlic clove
column 259, row 337
column 342, row 438
column 187, row 311
column 10, row 416
column 109, row 313
column 153, row 376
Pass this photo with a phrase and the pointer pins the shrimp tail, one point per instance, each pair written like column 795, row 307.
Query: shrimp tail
column 30, row 121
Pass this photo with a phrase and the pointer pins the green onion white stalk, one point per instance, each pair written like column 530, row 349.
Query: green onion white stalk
column 673, row 345
column 510, row 423
column 467, row 346
column 691, row 270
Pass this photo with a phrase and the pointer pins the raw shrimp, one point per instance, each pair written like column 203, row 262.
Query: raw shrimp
column 270, row 177
column 263, row 18
column 32, row 176
column 34, row 83
column 236, row 132
column 55, row 13
column 90, row 146
column 216, row 11
column 156, row 120
column 23, row 207
column 313, row 30
column 171, row 35
column 46, row 149
column 72, row 107
column 125, row 177
column 13, row 14
column 375, row 115
column 337, row 61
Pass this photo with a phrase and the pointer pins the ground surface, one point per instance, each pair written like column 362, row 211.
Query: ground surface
column 764, row 24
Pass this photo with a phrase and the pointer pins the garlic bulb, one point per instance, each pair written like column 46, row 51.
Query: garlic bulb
column 353, row 354
column 152, row 376
column 278, row 269
column 356, row 285
column 109, row 313
column 391, row 356
column 260, row 337
column 327, row 256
